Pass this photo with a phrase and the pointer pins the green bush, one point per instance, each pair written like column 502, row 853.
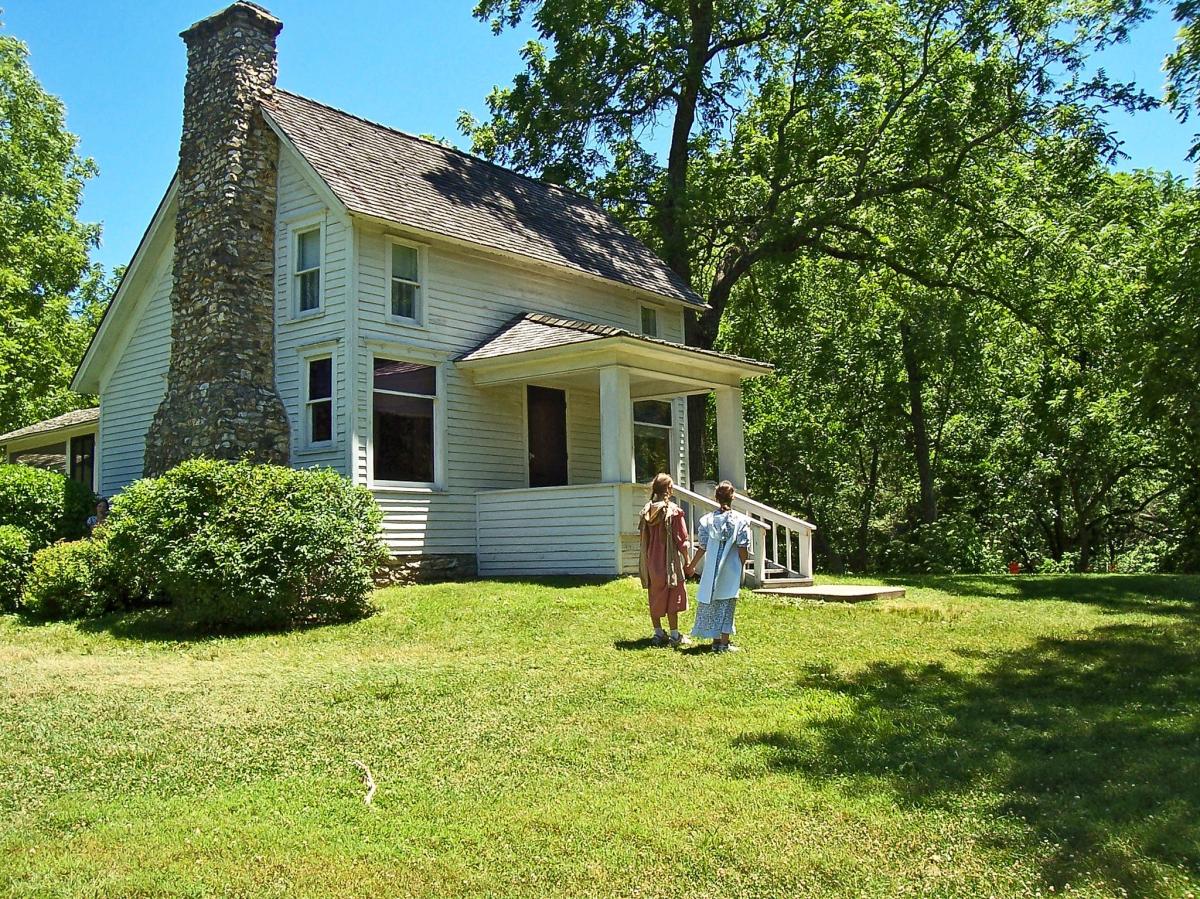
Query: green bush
column 69, row 580
column 16, row 557
column 45, row 504
column 238, row 545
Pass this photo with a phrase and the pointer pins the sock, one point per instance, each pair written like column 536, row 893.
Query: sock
column 674, row 634
column 659, row 632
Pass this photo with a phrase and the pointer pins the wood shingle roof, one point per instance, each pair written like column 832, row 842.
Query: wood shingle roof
column 378, row 171
column 539, row 331
column 73, row 419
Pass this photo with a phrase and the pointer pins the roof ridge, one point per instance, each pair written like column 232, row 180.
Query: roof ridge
column 433, row 143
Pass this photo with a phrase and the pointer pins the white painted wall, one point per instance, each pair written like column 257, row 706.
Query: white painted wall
column 522, row 531
column 300, row 207
column 467, row 298
column 136, row 382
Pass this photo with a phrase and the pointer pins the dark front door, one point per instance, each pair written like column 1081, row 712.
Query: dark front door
column 547, row 436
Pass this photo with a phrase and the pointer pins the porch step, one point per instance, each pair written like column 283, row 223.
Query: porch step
column 832, row 592
column 774, row 583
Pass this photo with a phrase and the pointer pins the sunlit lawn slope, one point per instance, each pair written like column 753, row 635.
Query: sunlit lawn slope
column 983, row 736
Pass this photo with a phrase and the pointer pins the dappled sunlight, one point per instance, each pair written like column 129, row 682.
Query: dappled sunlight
column 1091, row 741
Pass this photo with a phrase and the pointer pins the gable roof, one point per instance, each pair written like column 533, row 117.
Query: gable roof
column 77, row 418
column 378, row 171
column 538, row 331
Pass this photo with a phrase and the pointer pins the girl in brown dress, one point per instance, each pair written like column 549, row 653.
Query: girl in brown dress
column 664, row 540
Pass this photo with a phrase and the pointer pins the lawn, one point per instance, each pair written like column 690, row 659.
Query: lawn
column 983, row 736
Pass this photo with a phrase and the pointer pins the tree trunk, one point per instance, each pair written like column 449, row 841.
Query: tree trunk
column 673, row 214
column 862, row 550
column 920, row 430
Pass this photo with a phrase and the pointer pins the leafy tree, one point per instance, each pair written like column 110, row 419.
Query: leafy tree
column 800, row 128
column 49, row 295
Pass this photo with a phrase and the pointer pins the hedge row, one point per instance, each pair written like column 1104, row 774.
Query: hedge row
column 231, row 545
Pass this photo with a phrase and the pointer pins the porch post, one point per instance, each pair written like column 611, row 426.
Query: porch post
column 616, row 426
column 731, row 442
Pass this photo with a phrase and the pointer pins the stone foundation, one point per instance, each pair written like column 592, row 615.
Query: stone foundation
column 427, row 569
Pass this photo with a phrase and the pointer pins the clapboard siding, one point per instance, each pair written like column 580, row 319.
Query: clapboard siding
column 467, row 299
column 296, row 337
column 521, row 531
column 136, row 384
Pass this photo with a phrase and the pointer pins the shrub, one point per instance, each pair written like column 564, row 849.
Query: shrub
column 249, row 546
column 16, row 557
column 45, row 504
column 68, row 580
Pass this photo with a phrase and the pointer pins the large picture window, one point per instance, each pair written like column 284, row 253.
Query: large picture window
column 406, row 282
column 319, row 402
column 652, row 421
column 307, row 273
column 404, row 400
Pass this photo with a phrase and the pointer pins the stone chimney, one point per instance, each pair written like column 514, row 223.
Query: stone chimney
column 221, row 400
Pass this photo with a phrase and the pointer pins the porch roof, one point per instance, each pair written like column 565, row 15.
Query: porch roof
column 536, row 344
column 80, row 418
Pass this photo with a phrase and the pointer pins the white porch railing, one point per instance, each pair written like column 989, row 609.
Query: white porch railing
column 782, row 542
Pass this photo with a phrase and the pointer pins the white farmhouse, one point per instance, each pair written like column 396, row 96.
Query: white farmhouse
column 495, row 358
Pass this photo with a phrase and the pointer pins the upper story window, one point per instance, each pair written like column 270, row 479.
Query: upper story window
column 405, row 278
column 306, row 275
column 318, row 404
column 653, row 422
column 649, row 321
column 404, row 401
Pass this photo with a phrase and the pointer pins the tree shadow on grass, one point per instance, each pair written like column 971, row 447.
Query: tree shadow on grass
column 1164, row 594
column 164, row 624
column 1093, row 740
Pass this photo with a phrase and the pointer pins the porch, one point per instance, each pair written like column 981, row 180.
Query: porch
column 591, row 529
column 558, row 525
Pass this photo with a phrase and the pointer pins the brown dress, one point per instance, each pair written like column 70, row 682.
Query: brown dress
column 664, row 540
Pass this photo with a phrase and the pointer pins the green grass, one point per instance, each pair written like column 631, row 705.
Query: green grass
column 982, row 736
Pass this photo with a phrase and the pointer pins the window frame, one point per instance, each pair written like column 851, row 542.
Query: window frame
column 672, row 433
column 401, row 354
column 309, row 355
column 653, row 310
column 95, row 437
column 418, row 319
column 296, row 230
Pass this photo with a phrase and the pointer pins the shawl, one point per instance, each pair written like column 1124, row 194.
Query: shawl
column 660, row 515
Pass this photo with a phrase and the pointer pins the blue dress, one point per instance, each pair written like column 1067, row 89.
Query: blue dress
column 721, row 534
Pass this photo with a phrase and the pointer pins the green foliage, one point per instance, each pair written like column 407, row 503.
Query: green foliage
column 16, row 557
column 50, row 296
column 236, row 545
column 68, row 580
column 47, row 505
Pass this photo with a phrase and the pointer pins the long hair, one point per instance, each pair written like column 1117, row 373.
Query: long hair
column 725, row 494
column 660, row 487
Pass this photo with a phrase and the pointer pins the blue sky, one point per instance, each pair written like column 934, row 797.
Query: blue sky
column 119, row 67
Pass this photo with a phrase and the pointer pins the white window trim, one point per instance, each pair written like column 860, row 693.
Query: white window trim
column 309, row 354
column 672, row 432
column 642, row 310
column 418, row 321
column 295, row 229
column 439, row 418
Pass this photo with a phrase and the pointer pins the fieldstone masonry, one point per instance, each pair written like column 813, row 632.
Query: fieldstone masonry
column 221, row 400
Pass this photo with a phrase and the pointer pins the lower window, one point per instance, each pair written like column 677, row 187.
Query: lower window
column 402, row 437
column 83, row 459
column 652, row 420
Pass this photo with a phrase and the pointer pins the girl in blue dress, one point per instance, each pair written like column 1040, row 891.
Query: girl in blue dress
column 724, row 536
